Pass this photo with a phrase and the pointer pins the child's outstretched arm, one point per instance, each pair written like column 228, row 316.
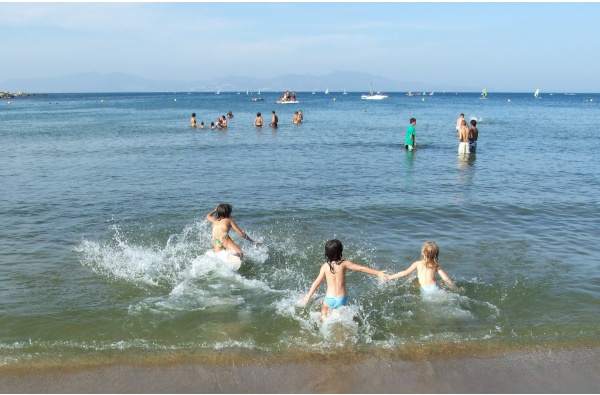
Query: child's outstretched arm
column 447, row 279
column 242, row 233
column 353, row 266
column 314, row 287
column 404, row 273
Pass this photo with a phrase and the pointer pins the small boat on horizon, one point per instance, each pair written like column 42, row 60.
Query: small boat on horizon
column 537, row 94
column 484, row 93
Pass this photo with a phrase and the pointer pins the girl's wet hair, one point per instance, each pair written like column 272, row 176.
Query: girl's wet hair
column 473, row 122
column 333, row 253
column 224, row 210
column 429, row 253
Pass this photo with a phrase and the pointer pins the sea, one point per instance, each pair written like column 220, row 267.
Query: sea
column 104, row 242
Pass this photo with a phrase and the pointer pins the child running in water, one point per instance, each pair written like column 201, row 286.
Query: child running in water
column 334, row 271
column 221, row 223
column 426, row 268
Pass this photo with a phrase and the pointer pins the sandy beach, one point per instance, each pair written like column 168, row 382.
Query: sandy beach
column 551, row 371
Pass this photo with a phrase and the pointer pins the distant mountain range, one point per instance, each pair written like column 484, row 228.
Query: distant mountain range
column 336, row 81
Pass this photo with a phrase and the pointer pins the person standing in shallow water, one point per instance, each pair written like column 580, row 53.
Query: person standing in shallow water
column 274, row 120
column 193, row 120
column 474, row 134
column 459, row 120
column 463, row 136
column 411, row 143
column 258, row 121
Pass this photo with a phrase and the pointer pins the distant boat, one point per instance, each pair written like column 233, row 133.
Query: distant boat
column 430, row 93
column 484, row 93
column 327, row 91
column 345, row 92
column 409, row 94
column 218, row 92
column 257, row 99
column 374, row 96
column 537, row 94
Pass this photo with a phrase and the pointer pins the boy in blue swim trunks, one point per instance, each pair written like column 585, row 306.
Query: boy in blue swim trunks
column 426, row 268
column 334, row 271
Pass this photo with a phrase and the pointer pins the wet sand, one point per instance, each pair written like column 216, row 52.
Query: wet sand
column 551, row 371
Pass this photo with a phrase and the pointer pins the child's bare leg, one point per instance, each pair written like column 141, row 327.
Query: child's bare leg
column 324, row 311
column 230, row 245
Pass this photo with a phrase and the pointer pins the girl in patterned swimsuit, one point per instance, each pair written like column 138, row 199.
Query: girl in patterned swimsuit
column 334, row 271
column 426, row 268
column 221, row 221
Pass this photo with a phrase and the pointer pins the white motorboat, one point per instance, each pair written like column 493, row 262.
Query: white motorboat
column 374, row 96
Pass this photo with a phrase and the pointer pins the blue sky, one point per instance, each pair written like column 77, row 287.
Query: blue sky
column 502, row 46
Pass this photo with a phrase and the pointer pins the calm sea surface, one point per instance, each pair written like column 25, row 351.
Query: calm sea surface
column 103, row 237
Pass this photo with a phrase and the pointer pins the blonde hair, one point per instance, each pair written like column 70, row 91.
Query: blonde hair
column 429, row 255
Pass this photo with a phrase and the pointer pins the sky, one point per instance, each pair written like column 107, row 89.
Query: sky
column 510, row 47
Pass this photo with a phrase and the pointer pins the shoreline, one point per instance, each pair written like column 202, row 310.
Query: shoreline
column 574, row 370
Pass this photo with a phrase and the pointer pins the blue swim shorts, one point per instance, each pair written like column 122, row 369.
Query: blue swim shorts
column 336, row 303
column 429, row 288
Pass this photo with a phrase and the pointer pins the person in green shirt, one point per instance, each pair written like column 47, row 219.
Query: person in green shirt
column 411, row 142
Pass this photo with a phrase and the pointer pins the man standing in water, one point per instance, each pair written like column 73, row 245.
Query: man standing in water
column 274, row 120
column 411, row 143
column 459, row 121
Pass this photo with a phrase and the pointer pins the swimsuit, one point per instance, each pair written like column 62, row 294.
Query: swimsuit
column 463, row 148
column 473, row 146
column 336, row 303
column 220, row 241
column 429, row 288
